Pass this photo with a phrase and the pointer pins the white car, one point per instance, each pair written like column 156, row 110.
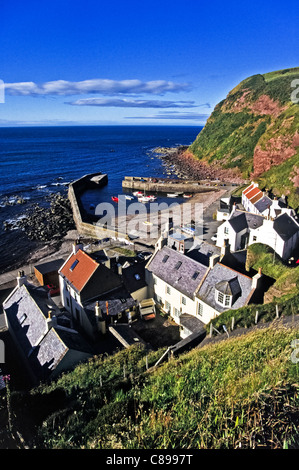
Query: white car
column 214, row 237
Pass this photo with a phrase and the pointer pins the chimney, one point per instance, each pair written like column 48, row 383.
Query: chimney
column 77, row 246
column 213, row 260
column 51, row 320
column 256, row 280
column 101, row 324
column 21, row 278
column 225, row 249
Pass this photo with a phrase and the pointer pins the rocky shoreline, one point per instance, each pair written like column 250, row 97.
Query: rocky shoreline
column 45, row 224
column 187, row 166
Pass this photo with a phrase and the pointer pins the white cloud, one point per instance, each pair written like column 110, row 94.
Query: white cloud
column 174, row 115
column 103, row 86
column 130, row 103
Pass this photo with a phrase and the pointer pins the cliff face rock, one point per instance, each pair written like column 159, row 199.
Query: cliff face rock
column 255, row 132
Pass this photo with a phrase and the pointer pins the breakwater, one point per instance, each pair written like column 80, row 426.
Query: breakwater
column 167, row 185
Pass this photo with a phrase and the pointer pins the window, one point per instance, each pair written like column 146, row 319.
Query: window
column 178, row 265
column 254, row 238
column 74, row 265
column 176, row 312
column 200, row 309
column 168, row 306
column 225, row 300
column 184, row 300
column 165, row 259
column 195, row 275
column 168, row 290
column 226, row 230
column 23, row 318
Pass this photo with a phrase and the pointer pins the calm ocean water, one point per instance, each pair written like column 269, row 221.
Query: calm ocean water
column 36, row 161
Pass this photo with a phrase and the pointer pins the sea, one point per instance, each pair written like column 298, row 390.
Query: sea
column 38, row 161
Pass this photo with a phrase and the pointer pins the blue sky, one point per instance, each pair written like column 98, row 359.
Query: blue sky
column 132, row 62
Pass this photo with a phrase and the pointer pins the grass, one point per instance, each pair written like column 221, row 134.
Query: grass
column 231, row 136
column 241, row 392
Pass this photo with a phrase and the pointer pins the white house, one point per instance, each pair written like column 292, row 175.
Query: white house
column 244, row 228
column 190, row 291
column 256, row 201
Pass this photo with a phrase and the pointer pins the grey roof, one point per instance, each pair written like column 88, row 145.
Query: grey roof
column 50, row 266
column 181, row 278
column 220, row 273
column 240, row 220
column 191, row 323
column 134, row 276
column 285, row 226
column 125, row 334
column 202, row 252
column 118, row 301
column 262, row 204
column 229, row 287
column 27, row 311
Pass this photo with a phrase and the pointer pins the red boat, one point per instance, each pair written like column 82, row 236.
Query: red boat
column 114, row 198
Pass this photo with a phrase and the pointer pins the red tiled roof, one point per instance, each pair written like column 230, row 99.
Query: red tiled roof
column 82, row 271
column 246, row 190
column 253, row 193
column 257, row 197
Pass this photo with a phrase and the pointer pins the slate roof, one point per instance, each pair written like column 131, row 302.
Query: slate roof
column 222, row 273
column 191, row 323
column 50, row 266
column 118, row 301
column 202, row 252
column 134, row 276
column 263, row 204
column 27, row 311
column 181, row 278
column 242, row 220
column 285, row 226
column 229, row 287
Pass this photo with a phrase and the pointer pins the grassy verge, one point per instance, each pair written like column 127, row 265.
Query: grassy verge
column 242, row 392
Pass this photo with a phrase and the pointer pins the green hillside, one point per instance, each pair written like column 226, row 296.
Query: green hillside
column 256, row 130
column 242, row 392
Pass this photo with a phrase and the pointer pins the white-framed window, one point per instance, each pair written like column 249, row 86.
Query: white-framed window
column 167, row 306
column 176, row 312
column 223, row 299
column 226, row 230
column 168, row 290
column 184, row 301
column 200, row 309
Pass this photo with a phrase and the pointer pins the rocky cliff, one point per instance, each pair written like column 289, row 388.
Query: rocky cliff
column 254, row 131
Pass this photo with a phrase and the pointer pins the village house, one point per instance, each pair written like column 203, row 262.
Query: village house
column 195, row 286
column 258, row 202
column 86, row 283
column 44, row 338
column 245, row 228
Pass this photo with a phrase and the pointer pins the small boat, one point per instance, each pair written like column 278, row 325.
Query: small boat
column 137, row 193
column 172, row 195
column 187, row 195
column 129, row 197
column 114, row 198
column 143, row 199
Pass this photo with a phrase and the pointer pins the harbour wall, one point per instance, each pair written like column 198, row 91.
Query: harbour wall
column 166, row 185
column 87, row 224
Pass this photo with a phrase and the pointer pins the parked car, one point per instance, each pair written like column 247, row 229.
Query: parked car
column 53, row 289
